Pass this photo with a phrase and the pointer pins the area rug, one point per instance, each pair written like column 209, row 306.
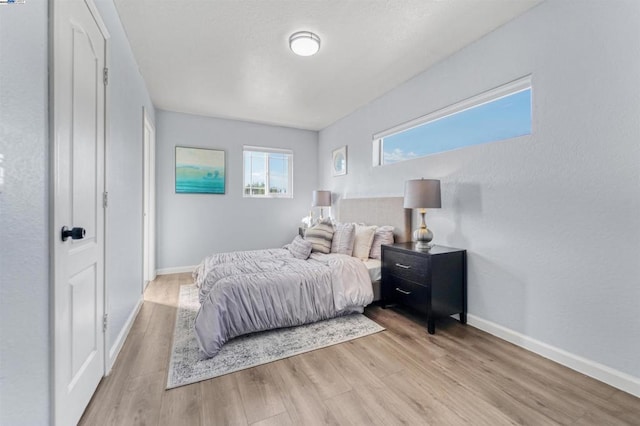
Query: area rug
column 187, row 366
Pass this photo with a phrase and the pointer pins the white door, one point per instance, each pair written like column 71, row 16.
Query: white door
column 148, row 208
column 77, row 191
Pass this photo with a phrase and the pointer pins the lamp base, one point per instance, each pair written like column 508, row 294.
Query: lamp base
column 423, row 246
column 422, row 237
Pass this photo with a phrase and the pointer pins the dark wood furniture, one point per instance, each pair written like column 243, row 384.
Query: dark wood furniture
column 433, row 282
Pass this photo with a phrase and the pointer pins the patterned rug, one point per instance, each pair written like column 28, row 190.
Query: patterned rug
column 187, row 366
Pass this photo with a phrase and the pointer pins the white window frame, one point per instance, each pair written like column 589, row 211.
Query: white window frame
column 491, row 95
column 265, row 150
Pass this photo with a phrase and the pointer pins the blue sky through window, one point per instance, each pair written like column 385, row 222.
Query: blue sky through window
column 503, row 118
column 278, row 173
column 254, row 167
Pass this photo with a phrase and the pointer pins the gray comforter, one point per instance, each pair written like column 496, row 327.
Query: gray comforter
column 245, row 292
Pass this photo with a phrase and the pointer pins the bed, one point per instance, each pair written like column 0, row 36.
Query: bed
column 250, row 291
column 377, row 211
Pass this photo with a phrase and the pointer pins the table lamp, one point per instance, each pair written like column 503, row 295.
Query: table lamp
column 321, row 199
column 422, row 194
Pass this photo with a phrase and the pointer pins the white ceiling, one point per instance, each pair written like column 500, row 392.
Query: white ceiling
column 231, row 59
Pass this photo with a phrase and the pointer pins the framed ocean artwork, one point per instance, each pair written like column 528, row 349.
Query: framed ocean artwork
column 199, row 171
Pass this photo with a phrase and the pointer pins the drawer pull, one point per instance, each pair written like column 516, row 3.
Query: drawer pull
column 403, row 291
column 400, row 265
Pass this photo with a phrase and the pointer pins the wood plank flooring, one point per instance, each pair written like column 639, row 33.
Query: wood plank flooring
column 459, row 376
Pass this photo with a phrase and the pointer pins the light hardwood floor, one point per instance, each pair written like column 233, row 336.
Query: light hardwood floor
column 459, row 376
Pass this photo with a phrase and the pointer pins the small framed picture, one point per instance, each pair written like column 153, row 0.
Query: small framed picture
column 200, row 171
column 339, row 161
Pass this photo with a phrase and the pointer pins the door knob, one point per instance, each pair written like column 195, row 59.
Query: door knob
column 74, row 234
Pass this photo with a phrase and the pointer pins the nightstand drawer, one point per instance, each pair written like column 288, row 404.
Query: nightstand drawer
column 406, row 293
column 407, row 266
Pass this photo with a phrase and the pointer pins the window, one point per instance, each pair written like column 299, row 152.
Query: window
column 268, row 172
column 501, row 113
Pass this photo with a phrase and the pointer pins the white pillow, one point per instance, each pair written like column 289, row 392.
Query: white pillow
column 343, row 238
column 383, row 235
column 363, row 241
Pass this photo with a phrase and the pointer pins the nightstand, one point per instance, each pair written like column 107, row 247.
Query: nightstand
column 433, row 283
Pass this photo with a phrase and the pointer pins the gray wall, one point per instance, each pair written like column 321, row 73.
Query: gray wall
column 193, row 226
column 127, row 94
column 550, row 220
column 24, row 266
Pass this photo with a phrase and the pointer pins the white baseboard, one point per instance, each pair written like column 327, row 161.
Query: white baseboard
column 608, row 375
column 176, row 270
column 122, row 336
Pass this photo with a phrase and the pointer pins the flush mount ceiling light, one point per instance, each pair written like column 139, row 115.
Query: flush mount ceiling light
column 304, row 43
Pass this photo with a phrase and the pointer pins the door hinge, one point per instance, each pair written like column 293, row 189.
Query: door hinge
column 104, row 322
column 105, row 75
column 105, row 199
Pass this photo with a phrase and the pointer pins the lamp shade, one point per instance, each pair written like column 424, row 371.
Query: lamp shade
column 321, row 199
column 422, row 194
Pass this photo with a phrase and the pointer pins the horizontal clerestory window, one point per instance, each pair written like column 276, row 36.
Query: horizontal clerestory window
column 498, row 114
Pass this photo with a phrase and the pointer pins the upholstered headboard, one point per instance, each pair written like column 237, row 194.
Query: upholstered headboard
column 377, row 211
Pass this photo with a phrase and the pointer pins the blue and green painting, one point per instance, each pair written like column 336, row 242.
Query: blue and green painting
column 199, row 171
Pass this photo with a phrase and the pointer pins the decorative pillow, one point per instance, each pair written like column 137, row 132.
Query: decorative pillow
column 363, row 241
column 299, row 248
column 383, row 235
column 320, row 236
column 343, row 238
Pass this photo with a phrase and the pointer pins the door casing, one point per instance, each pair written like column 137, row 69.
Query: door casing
column 148, row 202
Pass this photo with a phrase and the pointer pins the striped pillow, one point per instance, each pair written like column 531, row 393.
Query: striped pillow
column 343, row 238
column 383, row 235
column 299, row 248
column 320, row 236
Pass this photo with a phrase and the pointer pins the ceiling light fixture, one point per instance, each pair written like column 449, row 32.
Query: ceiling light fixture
column 304, row 43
